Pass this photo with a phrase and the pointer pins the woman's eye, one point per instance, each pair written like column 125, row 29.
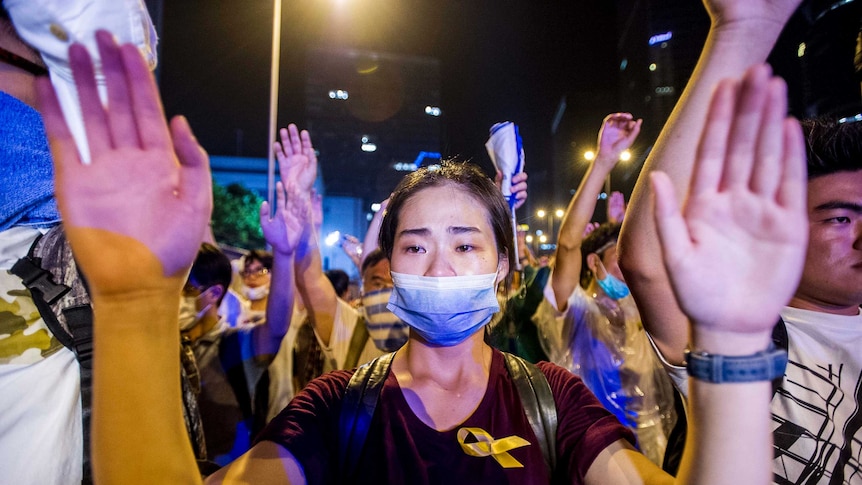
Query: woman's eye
column 464, row 248
column 413, row 249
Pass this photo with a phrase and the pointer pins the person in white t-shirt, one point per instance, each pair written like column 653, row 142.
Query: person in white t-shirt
column 816, row 406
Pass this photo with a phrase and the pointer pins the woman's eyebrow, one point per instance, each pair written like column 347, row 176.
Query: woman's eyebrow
column 463, row 229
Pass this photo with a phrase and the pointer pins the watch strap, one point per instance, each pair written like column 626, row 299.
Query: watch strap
column 715, row 368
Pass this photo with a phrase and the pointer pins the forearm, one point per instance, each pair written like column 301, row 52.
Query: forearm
column 729, row 431
column 315, row 289
column 370, row 242
column 137, row 429
column 567, row 266
column 279, row 305
column 729, row 50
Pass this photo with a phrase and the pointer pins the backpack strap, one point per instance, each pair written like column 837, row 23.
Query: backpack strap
column 781, row 341
column 538, row 403
column 357, row 343
column 60, row 294
column 357, row 409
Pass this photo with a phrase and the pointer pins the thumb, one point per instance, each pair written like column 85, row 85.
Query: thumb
column 671, row 226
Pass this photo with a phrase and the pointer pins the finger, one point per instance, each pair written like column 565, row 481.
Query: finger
column 119, row 113
column 264, row 214
column 284, row 146
column 64, row 151
column 195, row 178
column 146, row 103
column 520, row 177
column 766, row 174
column 307, row 147
column 295, row 140
column 92, row 111
column 280, row 198
column 634, row 130
column 792, row 192
column 670, row 225
column 747, row 118
column 712, row 148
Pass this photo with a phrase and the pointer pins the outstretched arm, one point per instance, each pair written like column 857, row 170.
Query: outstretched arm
column 298, row 167
column 283, row 232
column 744, row 211
column 135, row 218
column 742, row 34
column 617, row 133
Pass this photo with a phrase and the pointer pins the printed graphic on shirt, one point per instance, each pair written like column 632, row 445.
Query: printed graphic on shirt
column 815, row 426
column 24, row 337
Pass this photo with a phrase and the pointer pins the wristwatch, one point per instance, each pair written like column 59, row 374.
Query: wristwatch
column 762, row 366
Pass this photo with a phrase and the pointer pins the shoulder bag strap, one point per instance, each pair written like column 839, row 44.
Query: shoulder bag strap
column 357, row 409
column 538, row 402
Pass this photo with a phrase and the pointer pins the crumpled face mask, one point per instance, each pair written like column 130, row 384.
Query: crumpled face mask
column 444, row 311
column 189, row 314
column 388, row 332
column 611, row 285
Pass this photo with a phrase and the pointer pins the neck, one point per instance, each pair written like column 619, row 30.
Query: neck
column 259, row 305
column 813, row 305
column 446, row 366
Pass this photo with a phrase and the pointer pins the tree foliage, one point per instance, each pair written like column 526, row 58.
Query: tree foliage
column 236, row 217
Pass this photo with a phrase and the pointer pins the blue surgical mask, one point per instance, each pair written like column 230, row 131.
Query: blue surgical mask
column 612, row 286
column 388, row 332
column 444, row 311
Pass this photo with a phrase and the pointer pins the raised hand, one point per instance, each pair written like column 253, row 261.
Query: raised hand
column 147, row 191
column 618, row 132
column 519, row 186
column 296, row 158
column 736, row 254
column 284, row 230
column 616, row 207
column 352, row 247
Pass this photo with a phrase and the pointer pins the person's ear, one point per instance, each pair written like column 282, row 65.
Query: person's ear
column 593, row 261
column 215, row 292
column 502, row 267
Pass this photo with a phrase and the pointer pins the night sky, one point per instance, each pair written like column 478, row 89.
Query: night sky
column 500, row 60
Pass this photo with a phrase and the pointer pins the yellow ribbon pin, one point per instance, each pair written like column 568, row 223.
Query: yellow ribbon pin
column 486, row 445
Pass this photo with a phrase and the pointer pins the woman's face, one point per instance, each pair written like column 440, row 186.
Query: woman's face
column 444, row 231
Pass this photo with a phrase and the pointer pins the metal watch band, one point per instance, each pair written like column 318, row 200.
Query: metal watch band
column 762, row 366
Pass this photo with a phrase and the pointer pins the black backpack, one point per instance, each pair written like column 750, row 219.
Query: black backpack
column 59, row 292
column 364, row 387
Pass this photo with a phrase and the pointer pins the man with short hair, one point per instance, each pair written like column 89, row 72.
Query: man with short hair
column 816, row 406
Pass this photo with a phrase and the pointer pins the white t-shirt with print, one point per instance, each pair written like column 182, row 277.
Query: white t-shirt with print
column 816, row 415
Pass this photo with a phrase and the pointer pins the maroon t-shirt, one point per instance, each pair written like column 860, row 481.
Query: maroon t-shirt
column 400, row 448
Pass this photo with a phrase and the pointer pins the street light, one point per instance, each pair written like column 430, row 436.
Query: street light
column 589, row 155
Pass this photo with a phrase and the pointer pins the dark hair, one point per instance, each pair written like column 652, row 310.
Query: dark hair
column 465, row 175
column 601, row 236
column 211, row 267
column 339, row 279
column 832, row 146
column 371, row 259
column 263, row 257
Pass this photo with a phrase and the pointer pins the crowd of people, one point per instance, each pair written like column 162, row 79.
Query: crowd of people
column 704, row 334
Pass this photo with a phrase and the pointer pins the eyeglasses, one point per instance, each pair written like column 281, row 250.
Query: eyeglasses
column 248, row 273
column 15, row 60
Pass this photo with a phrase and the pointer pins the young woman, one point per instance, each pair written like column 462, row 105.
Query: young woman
column 446, row 232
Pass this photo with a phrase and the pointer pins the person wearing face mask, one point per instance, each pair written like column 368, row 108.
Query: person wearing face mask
column 447, row 411
column 232, row 361
column 597, row 333
column 256, row 278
